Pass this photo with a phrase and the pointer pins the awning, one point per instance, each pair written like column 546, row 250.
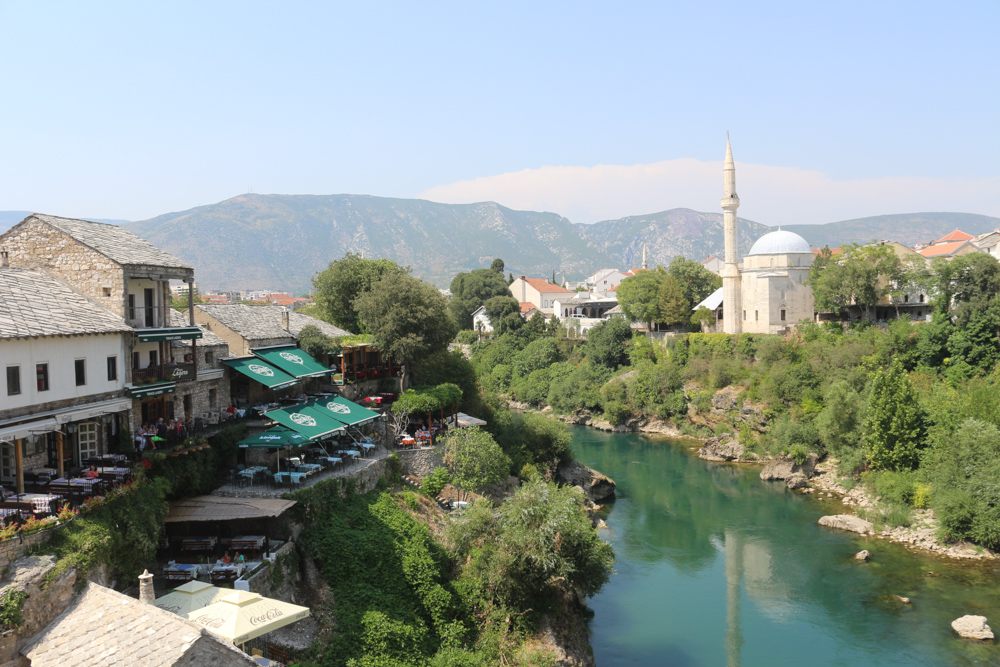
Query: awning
column 150, row 390
column 466, row 420
column 273, row 438
column 191, row 596
column 261, row 371
column 168, row 333
column 218, row 508
column 12, row 433
column 344, row 410
column 313, row 423
column 242, row 615
column 293, row 361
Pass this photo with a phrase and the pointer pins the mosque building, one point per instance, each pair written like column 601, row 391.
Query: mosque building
column 767, row 292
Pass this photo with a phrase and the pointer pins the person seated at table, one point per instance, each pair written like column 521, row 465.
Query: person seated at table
column 227, row 559
column 240, row 559
column 92, row 473
column 231, row 410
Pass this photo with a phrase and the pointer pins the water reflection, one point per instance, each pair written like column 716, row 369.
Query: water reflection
column 715, row 567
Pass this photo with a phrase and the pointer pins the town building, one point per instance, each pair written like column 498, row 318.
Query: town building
column 481, row 321
column 713, row 264
column 605, row 280
column 767, row 292
column 64, row 397
column 989, row 243
column 537, row 291
column 952, row 245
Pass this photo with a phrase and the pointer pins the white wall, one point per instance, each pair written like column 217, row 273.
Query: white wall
column 60, row 353
column 137, row 288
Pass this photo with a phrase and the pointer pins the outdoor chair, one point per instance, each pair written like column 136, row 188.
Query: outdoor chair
column 181, row 576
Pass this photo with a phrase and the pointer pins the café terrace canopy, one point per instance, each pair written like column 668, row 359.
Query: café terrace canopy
column 242, row 616
column 219, row 508
column 273, row 438
column 314, row 423
column 345, row 411
column 293, row 361
column 261, row 371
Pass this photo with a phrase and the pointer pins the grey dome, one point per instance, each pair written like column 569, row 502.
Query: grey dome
column 780, row 243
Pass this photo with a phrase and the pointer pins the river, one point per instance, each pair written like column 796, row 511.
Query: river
column 716, row 567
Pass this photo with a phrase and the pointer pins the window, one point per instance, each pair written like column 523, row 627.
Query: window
column 135, row 361
column 756, row 316
column 153, row 358
column 112, row 369
column 42, row 376
column 106, row 291
column 906, row 298
column 80, row 366
column 209, row 357
column 213, row 398
column 86, row 440
column 744, row 314
column 131, row 306
column 782, row 316
column 921, row 298
column 13, row 380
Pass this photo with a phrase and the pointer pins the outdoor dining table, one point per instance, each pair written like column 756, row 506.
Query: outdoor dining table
column 408, row 441
column 179, row 571
column 118, row 473
column 251, row 471
column 423, row 435
column 83, row 482
column 367, row 446
column 332, row 460
column 296, row 477
column 45, row 471
column 41, row 502
column 246, row 543
column 199, row 543
column 308, row 468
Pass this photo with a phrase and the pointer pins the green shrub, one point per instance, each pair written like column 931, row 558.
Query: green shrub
column 467, row 337
column 921, row 496
column 435, row 482
column 11, row 605
column 798, row 453
column 896, row 487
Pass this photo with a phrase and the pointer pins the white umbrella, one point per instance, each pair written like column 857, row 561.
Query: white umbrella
column 191, row 596
column 241, row 616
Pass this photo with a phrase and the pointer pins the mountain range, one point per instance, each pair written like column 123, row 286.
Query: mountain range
column 280, row 241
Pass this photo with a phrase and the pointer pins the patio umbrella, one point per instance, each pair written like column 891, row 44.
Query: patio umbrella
column 191, row 596
column 274, row 438
column 241, row 616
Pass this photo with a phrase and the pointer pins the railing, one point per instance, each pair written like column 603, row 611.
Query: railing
column 147, row 375
column 151, row 317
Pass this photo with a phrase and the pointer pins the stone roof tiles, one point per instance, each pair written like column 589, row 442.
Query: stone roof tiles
column 103, row 627
column 208, row 339
column 33, row 304
column 118, row 245
column 264, row 322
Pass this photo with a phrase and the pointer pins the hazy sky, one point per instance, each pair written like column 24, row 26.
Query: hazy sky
column 593, row 110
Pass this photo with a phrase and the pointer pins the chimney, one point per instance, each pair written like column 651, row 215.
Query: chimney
column 4, row 259
column 146, row 594
column 284, row 319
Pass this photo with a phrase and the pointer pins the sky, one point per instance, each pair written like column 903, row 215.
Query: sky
column 594, row 110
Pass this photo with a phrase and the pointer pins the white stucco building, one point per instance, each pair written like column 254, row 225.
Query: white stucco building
column 767, row 292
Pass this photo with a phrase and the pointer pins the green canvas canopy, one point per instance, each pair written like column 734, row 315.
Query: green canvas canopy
column 306, row 420
column 346, row 411
column 261, row 371
column 273, row 438
column 293, row 361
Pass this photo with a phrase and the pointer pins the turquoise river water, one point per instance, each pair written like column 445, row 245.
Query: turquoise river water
column 716, row 567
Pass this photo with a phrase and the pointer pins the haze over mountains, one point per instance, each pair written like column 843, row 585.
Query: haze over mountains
column 280, row 241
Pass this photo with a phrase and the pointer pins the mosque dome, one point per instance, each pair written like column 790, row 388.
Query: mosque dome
column 780, row 243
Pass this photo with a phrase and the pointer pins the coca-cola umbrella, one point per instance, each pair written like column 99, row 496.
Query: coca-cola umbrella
column 241, row 616
column 191, row 596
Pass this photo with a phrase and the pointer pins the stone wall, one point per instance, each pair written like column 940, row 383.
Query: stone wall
column 12, row 549
column 35, row 245
column 421, row 462
column 278, row 580
column 45, row 601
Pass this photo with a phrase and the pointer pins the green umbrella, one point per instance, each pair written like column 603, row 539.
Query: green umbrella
column 273, row 438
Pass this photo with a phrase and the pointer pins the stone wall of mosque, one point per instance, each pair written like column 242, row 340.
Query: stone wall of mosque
column 35, row 245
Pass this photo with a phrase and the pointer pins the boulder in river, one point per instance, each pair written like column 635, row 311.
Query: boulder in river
column 849, row 522
column 721, row 448
column 595, row 486
column 862, row 555
column 784, row 468
column 972, row 627
column 797, row 481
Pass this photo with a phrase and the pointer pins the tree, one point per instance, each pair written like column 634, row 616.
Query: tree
column 696, row 282
column 703, row 318
column 471, row 290
column 536, row 537
column 408, row 318
column 504, row 313
column 607, row 343
column 895, row 426
column 317, row 343
column 535, row 327
column 674, row 307
column 474, row 459
column 497, row 266
column 639, row 296
column 860, row 276
column 338, row 287
column 972, row 278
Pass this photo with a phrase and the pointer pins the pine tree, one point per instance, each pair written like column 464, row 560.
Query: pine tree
column 674, row 306
column 896, row 424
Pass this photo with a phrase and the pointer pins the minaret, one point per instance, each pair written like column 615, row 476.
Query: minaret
column 644, row 265
column 732, row 307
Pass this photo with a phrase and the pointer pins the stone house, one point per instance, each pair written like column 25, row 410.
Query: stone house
column 248, row 329
column 63, row 397
column 130, row 278
column 207, row 397
column 102, row 627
